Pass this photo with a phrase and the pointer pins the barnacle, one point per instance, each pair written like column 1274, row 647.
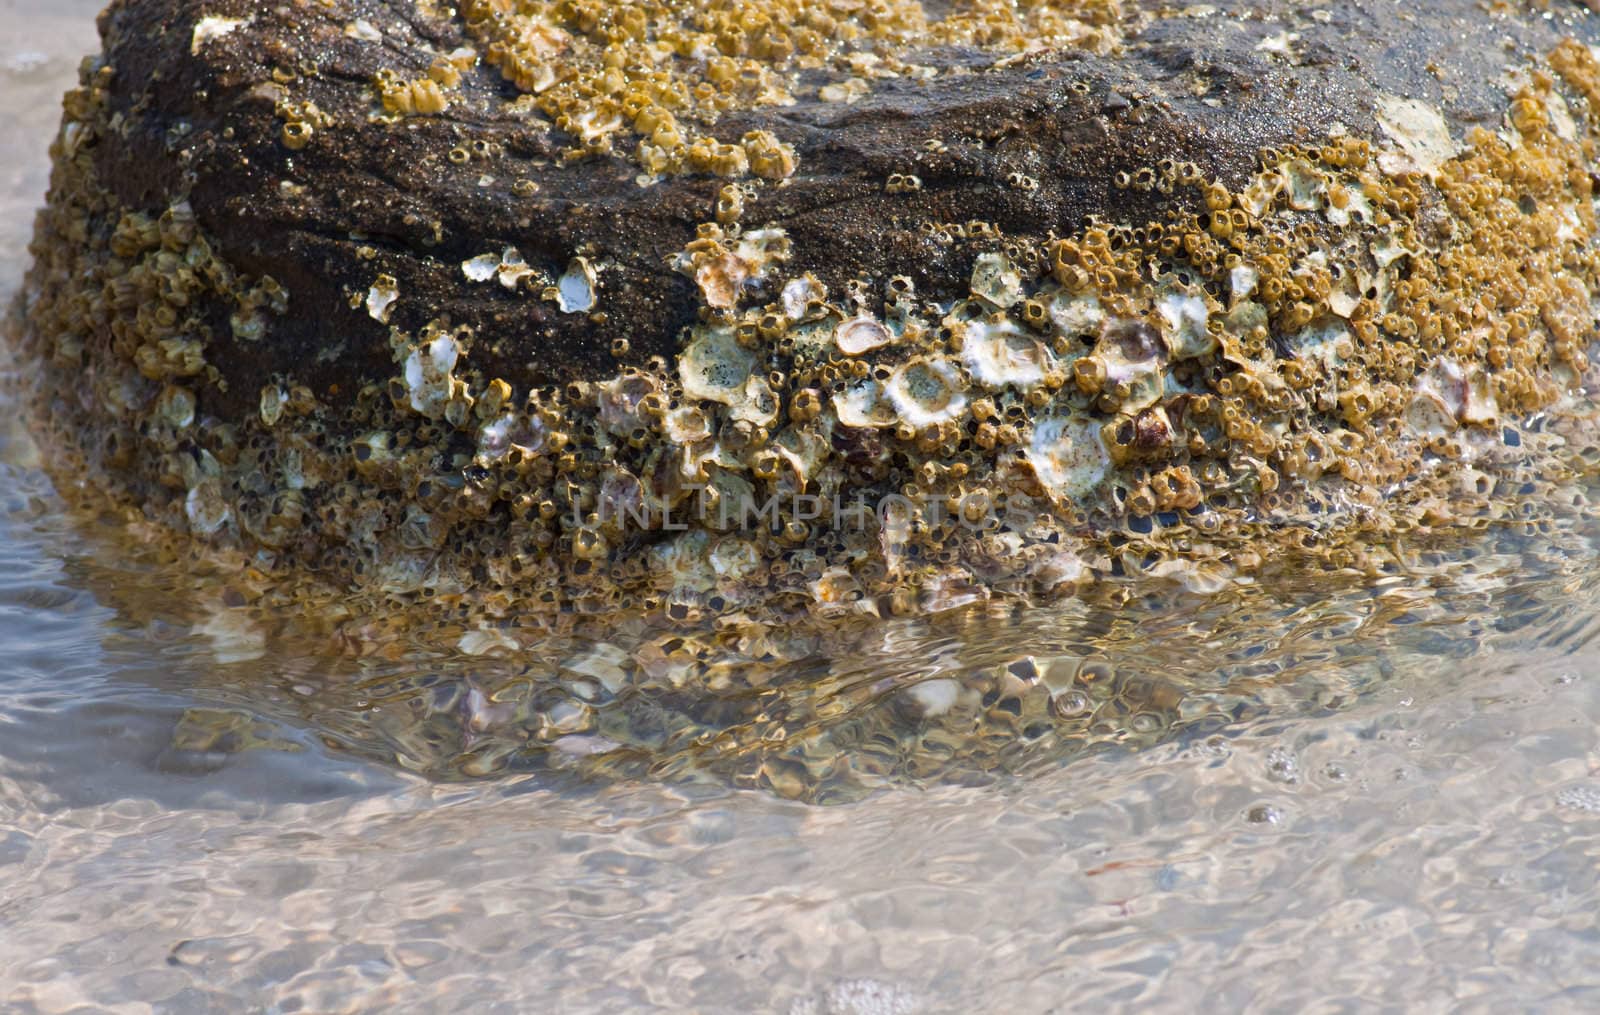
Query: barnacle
column 1345, row 342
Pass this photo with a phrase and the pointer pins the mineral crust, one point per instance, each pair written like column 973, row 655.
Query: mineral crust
column 856, row 306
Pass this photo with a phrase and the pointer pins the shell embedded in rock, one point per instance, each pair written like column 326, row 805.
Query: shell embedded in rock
column 1069, row 457
column 428, row 378
column 865, row 405
column 925, row 391
column 1134, row 359
column 759, row 404
column 861, row 334
column 575, row 290
column 1075, row 315
column 1000, row 353
column 1187, row 319
column 716, row 367
column 996, row 281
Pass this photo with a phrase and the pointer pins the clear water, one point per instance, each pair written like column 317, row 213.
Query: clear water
column 1371, row 795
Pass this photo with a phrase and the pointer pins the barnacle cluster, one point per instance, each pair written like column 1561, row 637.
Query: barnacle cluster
column 653, row 78
column 1366, row 342
column 1355, row 342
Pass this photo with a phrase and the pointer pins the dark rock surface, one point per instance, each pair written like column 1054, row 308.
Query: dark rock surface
column 1211, row 88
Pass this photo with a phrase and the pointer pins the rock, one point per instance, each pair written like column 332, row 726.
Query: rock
column 425, row 299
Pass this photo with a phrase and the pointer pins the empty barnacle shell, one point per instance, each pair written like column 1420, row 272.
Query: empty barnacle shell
column 619, row 400
column 801, row 296
column 720, row 280
column 507, row 266
column 273, row 400
column 175, row 406
column 1429, row 415
column 575, row 290
column 428, row 381
column 999, row 353
column 926, row 390
column 716, row 367
column 380, row 298
column 512, row 432
column 861, row 334
column 1069, row 457
column 864, row 405
column 1075, row 314
column 1186, row 317
column 996, row 280
column 686, row 425
column 481, row 268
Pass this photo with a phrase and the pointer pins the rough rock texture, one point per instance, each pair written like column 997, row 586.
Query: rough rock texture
column 1212, row 84
column 451, row 304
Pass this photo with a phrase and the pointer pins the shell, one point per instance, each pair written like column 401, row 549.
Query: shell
column 996, row 281
column 861, row 334
column 927, row 390
column 864, row 406
column 1186, row 318
column 999, row 353
column 575, row 290
column 1069, row 457
column 716, row 367
column 1074, row 315
column 428, row 379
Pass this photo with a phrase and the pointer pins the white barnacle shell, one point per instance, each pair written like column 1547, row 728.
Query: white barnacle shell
column 212, row 27
column 481, row 268
column 273, row 399
column 716, row 367
column 513, row 269
column 175, row 407
column 799, row 294
column 925, row 391
column 998, row 353
column 861, row 334
column 1186, row 318
column 1069, row 456
column 575, row 290
column 381, row 297
column 1330, row 344
column 687, row 424
column 1242, row 281
column 205, row 506
column 1074, row 315
column 996, row 280
column 864, row 406
column 427, row 374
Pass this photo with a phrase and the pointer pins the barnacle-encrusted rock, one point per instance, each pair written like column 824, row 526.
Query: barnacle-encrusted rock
column 853, row 307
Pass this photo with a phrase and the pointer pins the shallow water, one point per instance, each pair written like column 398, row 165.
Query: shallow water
column 1319, row 794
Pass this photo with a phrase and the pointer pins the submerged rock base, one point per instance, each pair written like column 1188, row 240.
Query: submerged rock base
column 564, row 310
